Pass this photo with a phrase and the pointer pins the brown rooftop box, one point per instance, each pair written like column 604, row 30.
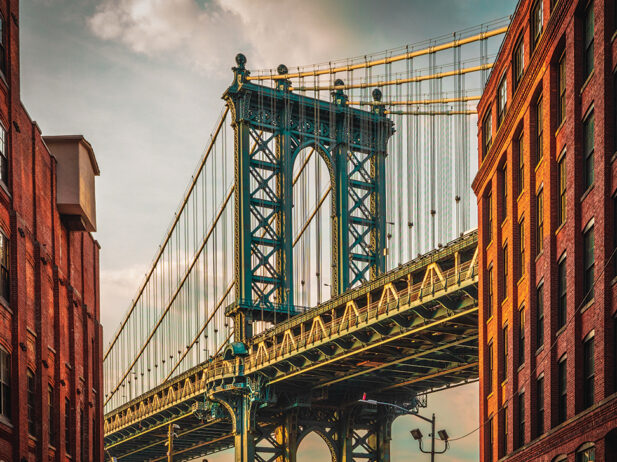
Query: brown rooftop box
column 76, row 169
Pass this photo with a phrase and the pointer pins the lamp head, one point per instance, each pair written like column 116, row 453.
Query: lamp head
column 416, row 434
column 443, row 435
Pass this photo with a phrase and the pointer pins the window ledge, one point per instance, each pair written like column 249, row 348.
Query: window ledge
column 587, row 305
column 505, row 221
column 614, row 281
column 5, row 187
column 613, row 157
column 560, row 330
column 563, row 122
column 5, row 421
column 540, row 162
column 521, row 367
column 561, row 226
column 489, row 319
column 587, row 192
column 589, row 79
column 521, row 279
column 504, row 301
column 4, row 303
column 540, row 349
column 540, row 254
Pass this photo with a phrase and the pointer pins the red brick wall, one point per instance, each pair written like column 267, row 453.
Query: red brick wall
column 562, row 31
column 50, row 323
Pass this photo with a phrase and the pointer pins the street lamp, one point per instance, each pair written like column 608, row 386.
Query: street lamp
column 416, row 433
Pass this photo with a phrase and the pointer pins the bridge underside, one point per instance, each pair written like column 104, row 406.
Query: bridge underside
column 412, row 331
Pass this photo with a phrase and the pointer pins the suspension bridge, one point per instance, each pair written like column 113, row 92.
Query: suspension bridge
column 321, row 251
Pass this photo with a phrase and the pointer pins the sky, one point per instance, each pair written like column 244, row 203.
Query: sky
column 142, row 81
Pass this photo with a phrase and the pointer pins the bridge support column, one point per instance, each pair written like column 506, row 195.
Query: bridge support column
column 286, row 436
column 365, row 439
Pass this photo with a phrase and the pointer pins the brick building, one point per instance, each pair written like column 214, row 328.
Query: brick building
column 50, row 335
column 546, row 200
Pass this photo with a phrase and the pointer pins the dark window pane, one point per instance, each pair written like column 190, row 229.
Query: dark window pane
column 562, row 293
column 540, row 316
column 588, row 373
column 588, row 265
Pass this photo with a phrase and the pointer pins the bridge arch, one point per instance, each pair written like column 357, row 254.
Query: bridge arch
column 316, row 453
column 314, row 224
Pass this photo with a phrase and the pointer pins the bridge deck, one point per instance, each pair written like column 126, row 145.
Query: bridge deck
column 411, row 331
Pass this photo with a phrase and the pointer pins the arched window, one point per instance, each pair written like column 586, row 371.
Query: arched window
column 5, row 384
column 586, row 453
column 560, row 458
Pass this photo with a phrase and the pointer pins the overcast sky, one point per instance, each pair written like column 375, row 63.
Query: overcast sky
column 142, row 80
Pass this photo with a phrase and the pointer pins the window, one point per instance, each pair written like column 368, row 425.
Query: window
column 489, row 378
column 588, row 32
column 562, row 88
column 562, row 190
column 540, row 315
column 2, row 47
column 562, row 294
column 520, row 147
column 588, row 264
column 539, row 130
column 4, row 267
column 540, row 405
column 5, row 384
column 502, row 100
column 587, row 453
column 489, row 217
column 615, row 233
column 504, row 190
column 505, row 271
column 505, row 353
column 489, row 437
column 505, row 429
column 521, row 335
column 521, row 258
column 487, row 133
column 537, row 22
column 4, row 161
column 489, row 301
column 562, row 389
column 518, row 64
column 588, row 149
column 521, row 419
column 51, row 412
column 67, row 425
column 82, row 435
column 540, row 222
column 589, row 370
column 31, row 393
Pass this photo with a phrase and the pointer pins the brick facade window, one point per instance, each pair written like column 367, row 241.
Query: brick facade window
column 562, row 294
column 540, row 405
column 2, row 46
column 563, row 184
column 505, row 271
column 4, row 267
column 589, row 371
column 539, row 130
column 588, row 264
column 53, row 434
column 521, row 163
column 521, row 248
column 562, row 389
column 31, row 393
column 588, row 151
column 505, row 429
column 521, row 335
column 82, row 434
column 502, row 100
column 587, row 453
column 504, row 190
column 588, row 33
column 4, row 162
column 518, row 63
column 489, row 217
column 489, row 431
column 5, row 384
column 487, row 133
column 489, row 301
column 504, row 352
column 67, row 425
column 540, row 222
column 489, row 381
column 537, row 23
column 615, row 234
column 540, row 315
column 562, row 88
column 521, row 419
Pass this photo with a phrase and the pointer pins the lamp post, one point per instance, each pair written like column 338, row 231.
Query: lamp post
column 416, row 433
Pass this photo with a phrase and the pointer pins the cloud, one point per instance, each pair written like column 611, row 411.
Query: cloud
column 208, row 35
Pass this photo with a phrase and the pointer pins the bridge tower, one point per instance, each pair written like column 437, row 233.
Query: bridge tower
column 272, row 125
